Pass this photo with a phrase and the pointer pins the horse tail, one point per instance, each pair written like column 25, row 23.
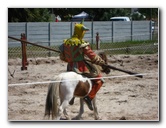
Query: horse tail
column 51, row 106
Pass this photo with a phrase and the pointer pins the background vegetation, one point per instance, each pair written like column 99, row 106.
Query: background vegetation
column 96, row 14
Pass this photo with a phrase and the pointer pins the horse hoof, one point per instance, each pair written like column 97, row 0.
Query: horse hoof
column 71, row 102
column 77, row 118
column 123, row 118
column 98, row 118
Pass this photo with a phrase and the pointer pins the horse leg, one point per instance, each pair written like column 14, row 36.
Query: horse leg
column 66, row 115
column 71, row 102
column 81, row 109
column 95, row 109
column 62, row 109
column 59, row 114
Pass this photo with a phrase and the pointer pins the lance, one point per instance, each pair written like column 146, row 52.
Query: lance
column 109, row 66
column 118, row 69
column 125, row 71
column 27, row 42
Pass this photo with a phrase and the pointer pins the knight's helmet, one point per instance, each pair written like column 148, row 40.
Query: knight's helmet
column 79, row 30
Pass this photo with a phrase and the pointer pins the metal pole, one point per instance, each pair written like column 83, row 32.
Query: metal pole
column 49, row 38
column 92, row 33
column 131, row 30
column 112, row 32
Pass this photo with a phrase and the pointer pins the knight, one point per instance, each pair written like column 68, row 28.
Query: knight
column 73, row 51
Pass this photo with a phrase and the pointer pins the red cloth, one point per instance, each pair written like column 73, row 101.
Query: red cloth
column 79, row 66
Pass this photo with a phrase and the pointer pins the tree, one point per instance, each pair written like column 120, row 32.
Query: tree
column 96, row 14
column 38, row 15
column 138, row 16
column 150, row 13
column 115, row 12
column 29, row 15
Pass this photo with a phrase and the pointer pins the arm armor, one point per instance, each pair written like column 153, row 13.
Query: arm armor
column 93, row 56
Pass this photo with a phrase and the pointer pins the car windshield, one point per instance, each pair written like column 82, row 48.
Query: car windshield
column 118, row 20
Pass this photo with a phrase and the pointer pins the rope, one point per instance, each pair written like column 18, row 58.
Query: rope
column 110, row 77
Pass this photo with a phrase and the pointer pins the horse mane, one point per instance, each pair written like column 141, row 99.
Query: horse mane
column 96, row 69
column 103, row 56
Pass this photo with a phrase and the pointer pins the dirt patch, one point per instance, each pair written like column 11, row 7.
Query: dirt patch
column 120, row 98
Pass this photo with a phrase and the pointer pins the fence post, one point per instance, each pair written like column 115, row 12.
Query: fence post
column 150, row 29
column 27, row 30
column 24, row 55
column 49, row 38
column 131, row 30
column 92, row 32
column 97, row 41
column 71, row 28
column 112, row 32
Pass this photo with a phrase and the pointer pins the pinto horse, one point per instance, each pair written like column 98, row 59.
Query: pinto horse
column 69, row 85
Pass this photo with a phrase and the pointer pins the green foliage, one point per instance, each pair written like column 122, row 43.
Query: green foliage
column 138, row 16
column 103, row 14
column 150, row 13
column 29, row 15
column 38, row 15
column 97, row 14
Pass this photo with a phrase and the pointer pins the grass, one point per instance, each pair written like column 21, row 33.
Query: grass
column 109, row 47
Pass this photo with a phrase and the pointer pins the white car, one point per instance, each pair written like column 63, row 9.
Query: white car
column 120, row 18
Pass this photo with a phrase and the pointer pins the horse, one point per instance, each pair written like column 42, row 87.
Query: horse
column 69, row 85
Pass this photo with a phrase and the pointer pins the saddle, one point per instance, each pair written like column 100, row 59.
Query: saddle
column 93, row 70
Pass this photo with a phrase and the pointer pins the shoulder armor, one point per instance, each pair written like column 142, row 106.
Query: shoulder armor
column 84, row 45
column 72, row 41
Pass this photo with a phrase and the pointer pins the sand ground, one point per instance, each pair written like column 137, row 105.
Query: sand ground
column 133, row 98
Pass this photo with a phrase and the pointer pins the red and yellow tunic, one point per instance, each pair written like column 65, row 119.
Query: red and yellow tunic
column 74, row 55
column 74, row 49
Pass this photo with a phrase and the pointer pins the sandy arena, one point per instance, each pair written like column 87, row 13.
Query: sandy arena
column 127, row 98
